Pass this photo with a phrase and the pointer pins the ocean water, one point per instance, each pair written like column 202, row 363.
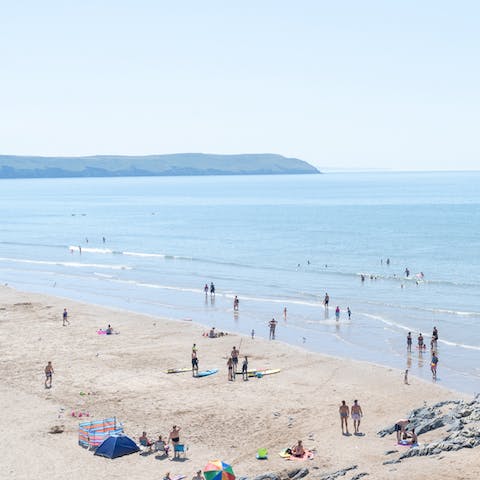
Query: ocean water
column 275, row 241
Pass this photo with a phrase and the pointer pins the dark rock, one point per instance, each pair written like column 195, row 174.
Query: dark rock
column 389, row 452
column 391, row 462
column 339, row 473
column 267, row 476
column 303, row 472
column 359, row 475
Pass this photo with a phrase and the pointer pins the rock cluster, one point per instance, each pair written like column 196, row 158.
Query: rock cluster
column 462, row 422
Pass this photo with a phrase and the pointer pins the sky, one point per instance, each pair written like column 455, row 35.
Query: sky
column 342, row 85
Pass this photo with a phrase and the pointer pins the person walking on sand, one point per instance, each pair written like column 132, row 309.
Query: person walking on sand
column 409, row 342
column 48, row 375
column 357, row 414
column 245, row 369
column 344, row 413
column 405, row 377
column 65, row 318
column 272, row 324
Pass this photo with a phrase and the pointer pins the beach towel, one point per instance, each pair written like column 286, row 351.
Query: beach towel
column 309, row 454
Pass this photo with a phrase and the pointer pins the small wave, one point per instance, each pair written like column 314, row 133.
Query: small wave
column 404, row 327
column 66, row 264
column 73, row 248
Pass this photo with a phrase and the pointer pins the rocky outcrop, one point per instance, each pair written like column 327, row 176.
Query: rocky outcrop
column 462, row 422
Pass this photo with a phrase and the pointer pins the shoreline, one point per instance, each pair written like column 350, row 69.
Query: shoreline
column 229, row 420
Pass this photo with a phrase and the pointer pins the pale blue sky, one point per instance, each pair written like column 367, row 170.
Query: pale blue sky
column 341, row 84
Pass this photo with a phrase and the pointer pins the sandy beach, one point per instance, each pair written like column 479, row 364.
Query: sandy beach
column 125, row 376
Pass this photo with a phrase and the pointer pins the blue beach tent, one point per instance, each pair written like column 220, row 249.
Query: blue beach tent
column 116, row 446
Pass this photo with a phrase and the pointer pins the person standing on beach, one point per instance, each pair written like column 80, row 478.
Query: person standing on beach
column 388, row 261
column 433, row 365
column 421, row 346
column 357, row 414
column 326, row 300
column 252, row 333
column 212, row 289
column 235, row 304
column 48, row 375
column 337, row 313
column 234, row 356
column 205, row 289
column 409, row 342
column 230, row 369
column 194, row 362
column 175, row 435
column 407, row 272
column 400, row 427
column 344, row 413
column 349, row 313
column 272, row 324
column 285, row 313
column 65, row 317
column 245, row 369
column 405, row 377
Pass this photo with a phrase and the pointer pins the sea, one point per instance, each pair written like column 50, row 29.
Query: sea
column 150, row 244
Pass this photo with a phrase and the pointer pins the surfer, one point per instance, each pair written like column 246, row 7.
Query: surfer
column 65, row 317
column 409, row 342
column 344, row 413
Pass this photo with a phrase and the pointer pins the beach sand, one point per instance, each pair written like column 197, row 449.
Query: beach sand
column 125, row 376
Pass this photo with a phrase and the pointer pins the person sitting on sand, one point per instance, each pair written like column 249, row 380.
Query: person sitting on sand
column 175, row 435
column 145, row 441
column 109, row 330
column 161, row 445
column 198, row 476
column 413, row 439
column 298, row 450
column 400, row 427
column 212, row 333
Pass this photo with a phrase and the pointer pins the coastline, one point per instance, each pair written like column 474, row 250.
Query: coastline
column 229, row 420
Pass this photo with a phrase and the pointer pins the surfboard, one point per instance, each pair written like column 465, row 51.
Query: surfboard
column 179, row 370
column 269, row 371
column 206, row 373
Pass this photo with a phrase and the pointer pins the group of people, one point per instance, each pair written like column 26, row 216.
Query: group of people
column 422, row 347
column 232, row 365
column 355, row 412
column 206, row 289
column 160, row 444
column 405, row 437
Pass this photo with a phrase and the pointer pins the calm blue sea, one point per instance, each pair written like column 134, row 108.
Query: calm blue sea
column 275, row 241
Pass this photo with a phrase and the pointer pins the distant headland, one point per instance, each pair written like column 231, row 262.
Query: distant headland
column 177, row 164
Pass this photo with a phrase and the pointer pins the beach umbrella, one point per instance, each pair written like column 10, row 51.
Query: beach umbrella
column 218, row 470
